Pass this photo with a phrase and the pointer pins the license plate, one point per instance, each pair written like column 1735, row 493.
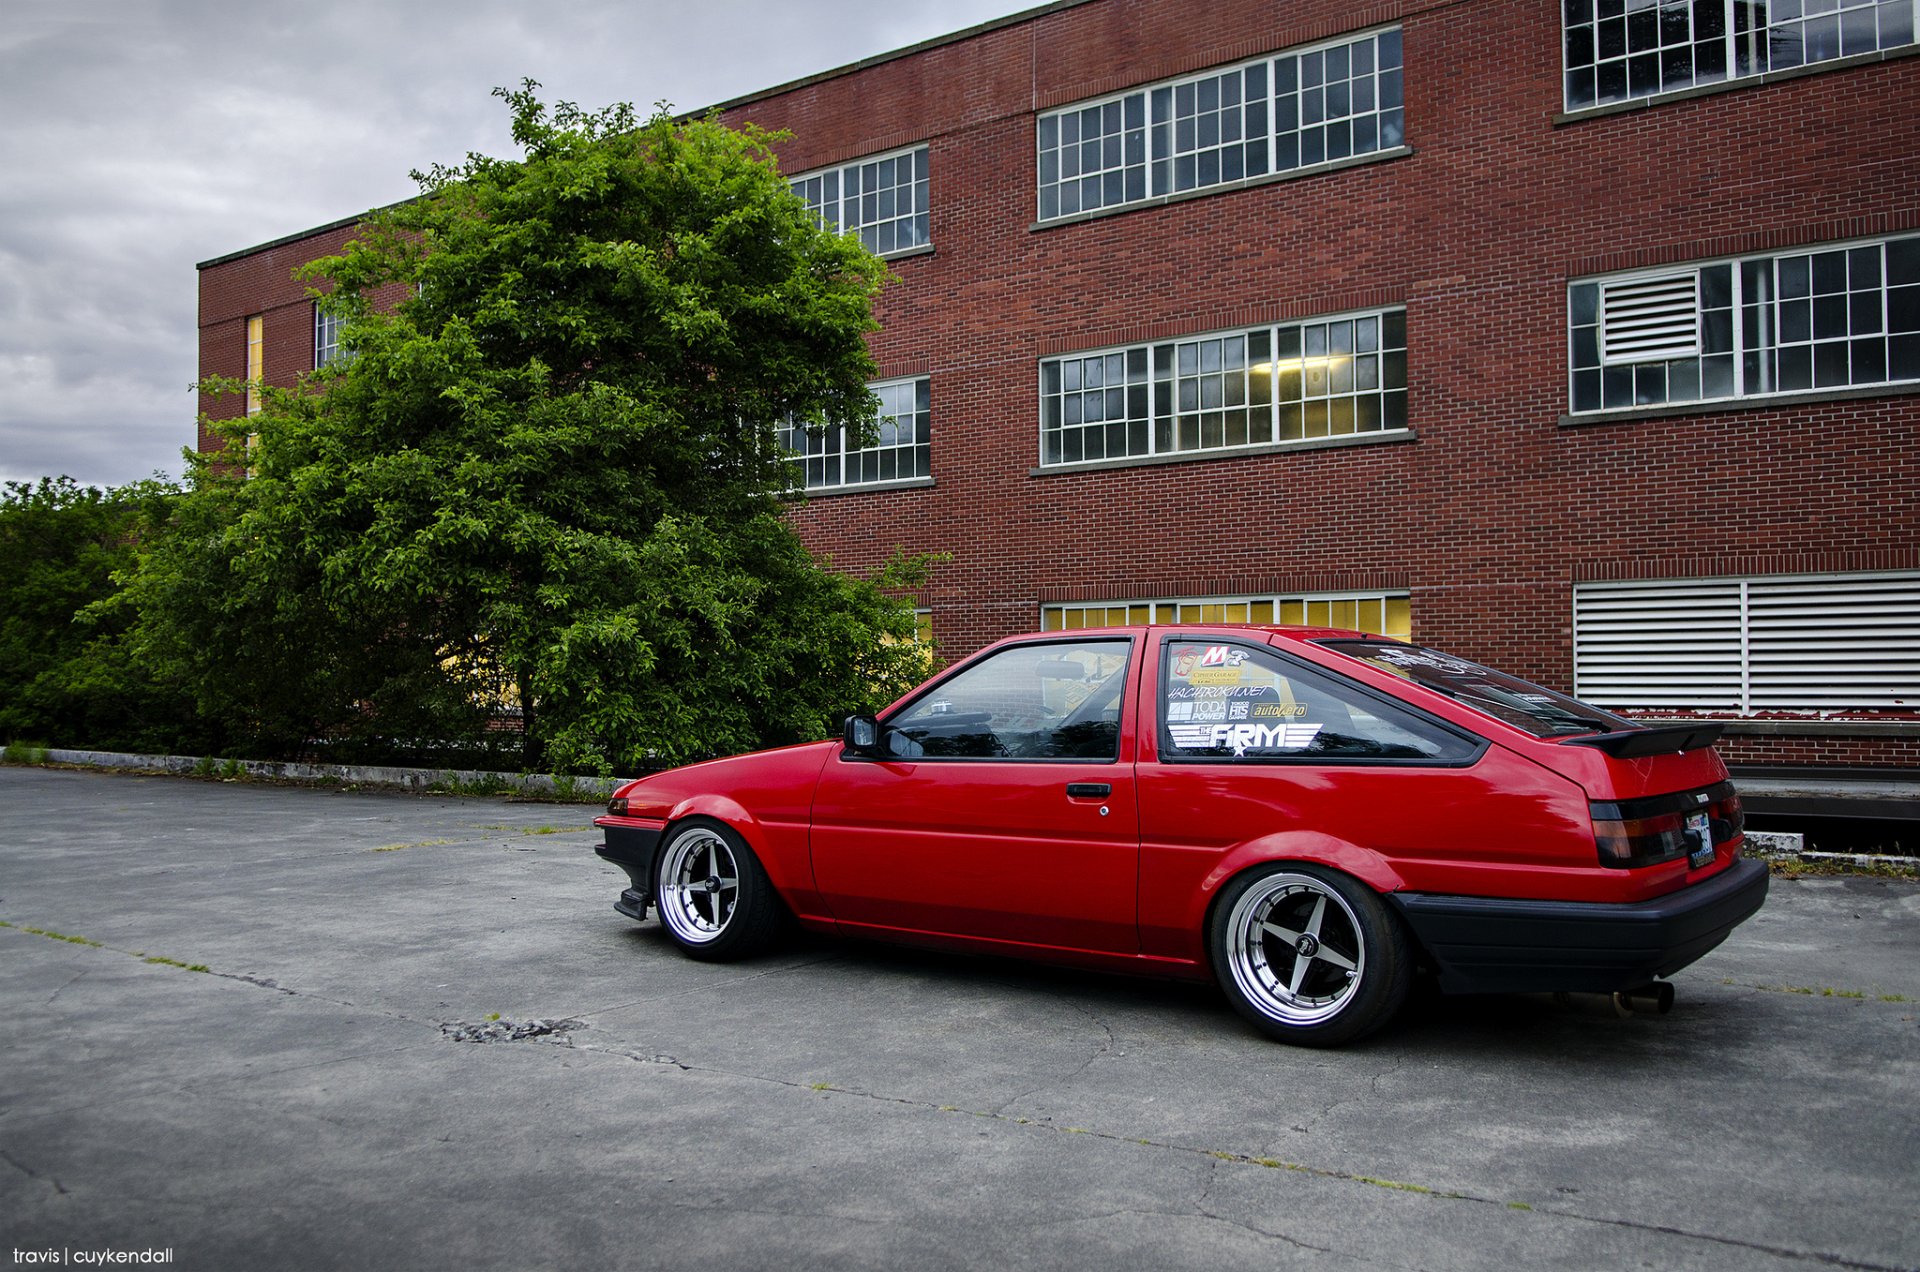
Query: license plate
column 1700, row 835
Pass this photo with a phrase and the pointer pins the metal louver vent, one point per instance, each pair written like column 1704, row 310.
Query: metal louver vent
column 1647, row 319
column 1835, row 643
column 1653, row 645
column 1804, row 643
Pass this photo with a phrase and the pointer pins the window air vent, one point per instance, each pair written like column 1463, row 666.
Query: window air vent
column 1648, row 319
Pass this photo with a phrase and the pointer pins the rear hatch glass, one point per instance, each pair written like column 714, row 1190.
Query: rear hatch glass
column 1508, row 699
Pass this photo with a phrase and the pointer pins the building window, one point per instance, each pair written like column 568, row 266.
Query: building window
column 1618, row 50
column 1377, row 613
column 1296, row 382
column 1833, row 318
column 883, row 199
column 326, row 338
column 901, row 449
column 1828, row 642
column 1301, row 108
column 256, row 361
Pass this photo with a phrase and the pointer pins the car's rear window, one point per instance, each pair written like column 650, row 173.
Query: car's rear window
column 1508, row 699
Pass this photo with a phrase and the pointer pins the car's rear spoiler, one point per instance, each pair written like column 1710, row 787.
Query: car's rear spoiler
column 1626, row 744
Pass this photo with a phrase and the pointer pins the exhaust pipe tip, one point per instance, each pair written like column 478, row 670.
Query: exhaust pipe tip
column 1655, row 997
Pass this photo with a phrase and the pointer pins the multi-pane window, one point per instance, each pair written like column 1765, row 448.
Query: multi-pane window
column 882, row 199
column 1300, row 108
column 1829, row 642
column 823, row 458
column 1831, row 318
column 1331, row 377
column 326, row 337
column 1617, row 50
column 1379, row 613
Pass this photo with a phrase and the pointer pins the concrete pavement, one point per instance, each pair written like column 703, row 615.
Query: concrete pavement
column 304, row 1102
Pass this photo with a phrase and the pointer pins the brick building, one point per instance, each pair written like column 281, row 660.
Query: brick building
column 1583, row 339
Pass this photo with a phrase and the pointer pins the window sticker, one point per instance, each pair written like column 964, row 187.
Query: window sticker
column 1212, row 656
column 1266, row 737
column 1421, row 658
column 1236, row 690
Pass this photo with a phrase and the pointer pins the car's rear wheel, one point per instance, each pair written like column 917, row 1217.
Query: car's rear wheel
column 1309, row 955
column 716, row 901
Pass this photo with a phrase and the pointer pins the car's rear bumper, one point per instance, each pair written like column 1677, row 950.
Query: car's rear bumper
column 1495, row 945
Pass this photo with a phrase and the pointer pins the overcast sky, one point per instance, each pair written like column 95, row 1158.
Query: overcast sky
column 139, row 137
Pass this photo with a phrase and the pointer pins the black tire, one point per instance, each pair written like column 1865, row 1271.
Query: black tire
column 1310, row 956
column 715, row 899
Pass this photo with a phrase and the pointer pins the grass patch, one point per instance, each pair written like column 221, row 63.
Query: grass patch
column 51, row 935
column 71, row 939
column 174, row 962
column 419, row 843
column 24, row 753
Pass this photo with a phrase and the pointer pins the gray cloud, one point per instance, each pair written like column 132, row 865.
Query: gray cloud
column 143, row 136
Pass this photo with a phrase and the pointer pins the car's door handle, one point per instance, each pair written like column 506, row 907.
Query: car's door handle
column 1088, row 790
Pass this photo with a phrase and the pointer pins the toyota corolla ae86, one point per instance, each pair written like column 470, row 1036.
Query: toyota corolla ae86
column 1306, row 815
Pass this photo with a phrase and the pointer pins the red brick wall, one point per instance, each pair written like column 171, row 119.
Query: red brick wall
column 1494, row 509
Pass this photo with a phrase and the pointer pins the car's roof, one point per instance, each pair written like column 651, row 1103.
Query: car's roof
column 1199, row 630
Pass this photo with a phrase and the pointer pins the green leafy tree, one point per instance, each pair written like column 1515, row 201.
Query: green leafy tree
column 66, row 675
column 546, row 478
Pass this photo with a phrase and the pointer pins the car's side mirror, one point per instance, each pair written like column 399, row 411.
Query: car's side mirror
column 866, row 736
column 861, row 733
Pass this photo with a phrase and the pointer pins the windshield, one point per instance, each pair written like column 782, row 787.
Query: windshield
column 1508, row 699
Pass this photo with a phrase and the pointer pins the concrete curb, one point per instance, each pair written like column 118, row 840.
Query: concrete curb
column 452, row 781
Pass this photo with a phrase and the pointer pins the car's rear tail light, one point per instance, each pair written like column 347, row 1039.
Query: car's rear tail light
column 1646, row 832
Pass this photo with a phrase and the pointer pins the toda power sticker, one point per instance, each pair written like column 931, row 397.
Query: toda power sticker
column 1264, row 737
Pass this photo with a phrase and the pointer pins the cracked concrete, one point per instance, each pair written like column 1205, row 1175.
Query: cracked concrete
column 843, row 1105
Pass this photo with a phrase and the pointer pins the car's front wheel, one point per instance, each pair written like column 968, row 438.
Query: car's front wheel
column 1309, row 955
column 715, row 899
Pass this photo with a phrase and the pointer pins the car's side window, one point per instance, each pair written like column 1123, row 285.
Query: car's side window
column 1222, row 700
column 1059, row 700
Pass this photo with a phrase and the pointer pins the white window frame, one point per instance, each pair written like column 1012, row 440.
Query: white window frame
column 1740, row 51
column 326, row 337
column 845, row 456
column 1324, row 382
column 1745, row 645
column 1771, row 367
column 869, row 229
column 1161, row 145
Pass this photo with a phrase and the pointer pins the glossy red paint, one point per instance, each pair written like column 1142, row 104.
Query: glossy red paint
column 1116, row 861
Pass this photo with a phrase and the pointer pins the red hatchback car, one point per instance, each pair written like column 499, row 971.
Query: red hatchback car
column 1304, row 814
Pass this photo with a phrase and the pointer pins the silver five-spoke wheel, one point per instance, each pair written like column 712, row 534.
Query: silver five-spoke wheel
column 1308, row 955
column 699, row 886
column 715, row 899
column 1296, row 952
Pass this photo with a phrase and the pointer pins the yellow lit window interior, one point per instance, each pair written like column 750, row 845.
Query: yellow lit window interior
column 256, row 361
column 1380, row 615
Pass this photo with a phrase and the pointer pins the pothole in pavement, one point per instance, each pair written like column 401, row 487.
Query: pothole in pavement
column 510, row 1030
